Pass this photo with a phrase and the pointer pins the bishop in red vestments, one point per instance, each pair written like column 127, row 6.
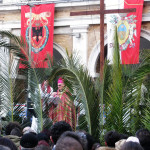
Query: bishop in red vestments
column 66, row 109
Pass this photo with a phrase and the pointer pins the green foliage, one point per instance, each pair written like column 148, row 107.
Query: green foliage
column 115, row 109
column 78, row 82
column 121, row 102
column 125, row 107
column 14, row 90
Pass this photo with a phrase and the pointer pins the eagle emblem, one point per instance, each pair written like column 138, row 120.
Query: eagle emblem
column 39, row 30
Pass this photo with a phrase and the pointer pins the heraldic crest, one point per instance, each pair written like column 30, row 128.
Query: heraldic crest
column 126, row 29
column 39, row 30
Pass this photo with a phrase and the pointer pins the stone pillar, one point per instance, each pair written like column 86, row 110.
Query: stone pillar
column 80, row 42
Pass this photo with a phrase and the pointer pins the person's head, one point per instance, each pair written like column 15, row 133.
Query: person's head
column 132, row 139
column 69, row 141
column 46, row 82
column 2, row 147
column 111, row 138
column 28, row 140
column 43, row 136
column 11, row 126
column 8, row 143
column 105, row 148
column 42, row 145
column 90, row 141
column 46, row 131
column 16, row 131
column 83, row 138
column 22, row 148
column 28, row 130
column 87, row 139
column 95, row 146
column 131, row 146
column 144, row 137
column 58, row 128
column 119, row 144
column 60, row 84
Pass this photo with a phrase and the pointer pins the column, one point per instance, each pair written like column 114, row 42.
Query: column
column 80, row 42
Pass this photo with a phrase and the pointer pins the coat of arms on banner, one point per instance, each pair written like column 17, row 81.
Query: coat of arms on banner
column 39, row 30
column 126, row 29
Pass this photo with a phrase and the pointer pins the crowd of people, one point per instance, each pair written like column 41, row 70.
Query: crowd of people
column 60, row 136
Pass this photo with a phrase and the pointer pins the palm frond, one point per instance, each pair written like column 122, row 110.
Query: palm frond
column 118, row 103
column 115, row 108
column 123, row 105
column 82, row 86
column 11, row 88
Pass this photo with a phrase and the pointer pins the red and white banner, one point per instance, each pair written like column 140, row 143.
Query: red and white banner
column 128, row 29
column 42, row 27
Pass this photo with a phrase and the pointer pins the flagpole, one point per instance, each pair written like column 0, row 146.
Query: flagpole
column 30, row 34
column 29, row 53
column 30, row 48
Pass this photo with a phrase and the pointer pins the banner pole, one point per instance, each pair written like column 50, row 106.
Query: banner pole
column 30, row 48
column 30, row 35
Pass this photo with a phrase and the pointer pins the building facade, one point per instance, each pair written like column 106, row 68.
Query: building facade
column 80, row 34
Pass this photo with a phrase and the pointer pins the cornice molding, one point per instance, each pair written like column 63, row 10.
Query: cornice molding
column 16, row 6
column 65, row 22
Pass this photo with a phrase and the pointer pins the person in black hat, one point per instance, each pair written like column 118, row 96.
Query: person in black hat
column 28, row 141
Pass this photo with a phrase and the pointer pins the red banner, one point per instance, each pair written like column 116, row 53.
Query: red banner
column 42, row 27
column 130, row 48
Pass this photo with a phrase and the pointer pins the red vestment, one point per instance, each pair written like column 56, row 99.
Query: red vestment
column 65, row 110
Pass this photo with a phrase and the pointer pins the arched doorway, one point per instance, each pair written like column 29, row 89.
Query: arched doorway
column 94, row 59
column 58, row 52
column 57, row 56
column 144, row 45
column 98, row 60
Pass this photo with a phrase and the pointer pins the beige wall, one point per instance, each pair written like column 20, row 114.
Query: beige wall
column 65, row 12
column 65, row 41
column 10, row 16
column 146, row 25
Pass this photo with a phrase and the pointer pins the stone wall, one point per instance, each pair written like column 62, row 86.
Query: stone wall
column 63, row 31
column 65, row 41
